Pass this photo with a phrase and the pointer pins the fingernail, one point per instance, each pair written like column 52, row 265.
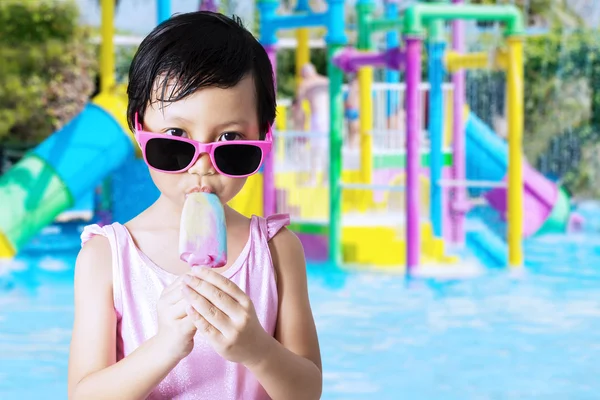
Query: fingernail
column 198, row 269
column 187, row 279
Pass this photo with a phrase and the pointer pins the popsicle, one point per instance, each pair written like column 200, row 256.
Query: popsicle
column 202, row 234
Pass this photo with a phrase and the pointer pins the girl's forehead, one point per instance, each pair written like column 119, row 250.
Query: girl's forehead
column 208, row 105
column 170, row 91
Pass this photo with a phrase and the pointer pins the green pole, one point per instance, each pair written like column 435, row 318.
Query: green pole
column 335, row 155
column 364, row 9
column 436, row 31
column 419, row 14
column 385, row 24
column 336, row 39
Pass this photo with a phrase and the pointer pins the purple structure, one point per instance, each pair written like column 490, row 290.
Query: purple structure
column 269, row 194
column 413, row 131
column 458, row 194
column 208, row 5
column 350, row 59
column 540, row 197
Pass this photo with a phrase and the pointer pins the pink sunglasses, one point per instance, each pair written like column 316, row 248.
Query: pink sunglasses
column 173, row 154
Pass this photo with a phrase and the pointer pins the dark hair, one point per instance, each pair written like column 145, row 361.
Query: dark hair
column 197, row 50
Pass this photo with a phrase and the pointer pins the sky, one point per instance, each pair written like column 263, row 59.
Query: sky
column 139, row 16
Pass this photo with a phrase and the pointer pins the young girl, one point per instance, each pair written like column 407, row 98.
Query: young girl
column 201, row 96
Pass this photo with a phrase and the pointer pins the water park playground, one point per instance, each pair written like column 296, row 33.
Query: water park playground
column 441, row 263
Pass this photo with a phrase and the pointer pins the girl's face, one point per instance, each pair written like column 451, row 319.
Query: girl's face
column 209, row 115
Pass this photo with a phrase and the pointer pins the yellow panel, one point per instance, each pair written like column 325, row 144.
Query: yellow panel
column 250, row 200
column 384, row 247
column 6, row 249
column 116, row 106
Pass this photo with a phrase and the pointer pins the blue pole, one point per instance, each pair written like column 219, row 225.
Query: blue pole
column 163, row 10
column 392, row 76
column 302, row 6
column 267, row 9
column 436, row 110
column 308, row 20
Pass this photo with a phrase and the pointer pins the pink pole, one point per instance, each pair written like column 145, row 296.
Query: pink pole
column 207, row 5
column 413, row 131
column 269, row 196
column 350, row 59
column 458, row 195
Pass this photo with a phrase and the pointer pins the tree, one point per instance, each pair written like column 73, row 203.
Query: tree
column 543, row 13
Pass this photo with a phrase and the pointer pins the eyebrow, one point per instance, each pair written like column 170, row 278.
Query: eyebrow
column 178, row 118
column 241, row 122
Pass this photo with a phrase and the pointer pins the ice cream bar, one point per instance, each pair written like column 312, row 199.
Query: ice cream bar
column 202, row 235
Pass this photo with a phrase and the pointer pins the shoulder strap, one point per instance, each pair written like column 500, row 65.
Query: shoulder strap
column 274, row 223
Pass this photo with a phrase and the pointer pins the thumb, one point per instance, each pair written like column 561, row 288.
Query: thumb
column 188, row 325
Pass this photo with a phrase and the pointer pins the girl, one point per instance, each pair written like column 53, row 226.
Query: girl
column 146, row 326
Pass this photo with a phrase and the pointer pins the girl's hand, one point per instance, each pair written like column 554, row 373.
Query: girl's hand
column 225, row 316
column 176, row 329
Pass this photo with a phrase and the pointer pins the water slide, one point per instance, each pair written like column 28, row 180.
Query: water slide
column 547, row 207
column 68, row 165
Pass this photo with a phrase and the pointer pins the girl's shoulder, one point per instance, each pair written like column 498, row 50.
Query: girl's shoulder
column 285, row 246
column 94, row 264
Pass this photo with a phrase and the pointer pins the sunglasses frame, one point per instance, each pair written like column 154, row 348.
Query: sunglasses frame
column 143, row 137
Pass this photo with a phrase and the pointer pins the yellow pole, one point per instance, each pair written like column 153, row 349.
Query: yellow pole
column 448, row 117
column 456, row 61
column 107, row 47
column 365, row 107
column 281, row 126
column 281, row 117
column 302, row 58
column 501, row 60
column 515, row 158
column 302, row 51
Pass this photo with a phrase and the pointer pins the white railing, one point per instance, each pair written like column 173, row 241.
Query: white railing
column 302, row 159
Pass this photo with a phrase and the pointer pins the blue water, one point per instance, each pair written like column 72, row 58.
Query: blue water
column 492, row 336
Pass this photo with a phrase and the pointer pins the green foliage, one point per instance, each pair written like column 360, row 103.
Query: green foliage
column 562, row 99
column 36, row 21
column 556, row 13
column 558, row 91
column 286, row 69
column 47, row 71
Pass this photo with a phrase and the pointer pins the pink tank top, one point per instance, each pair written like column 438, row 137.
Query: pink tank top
column 137, row 285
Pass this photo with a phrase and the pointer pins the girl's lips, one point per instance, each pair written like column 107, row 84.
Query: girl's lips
column 203, row 189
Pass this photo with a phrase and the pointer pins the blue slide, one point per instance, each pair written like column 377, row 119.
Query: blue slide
column 546, row 205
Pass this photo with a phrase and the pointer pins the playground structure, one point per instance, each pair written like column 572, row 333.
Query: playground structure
column 492, row 164
column 402, row 205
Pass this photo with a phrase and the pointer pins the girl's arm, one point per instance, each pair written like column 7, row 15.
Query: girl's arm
column 93, row 373
column 291, row 368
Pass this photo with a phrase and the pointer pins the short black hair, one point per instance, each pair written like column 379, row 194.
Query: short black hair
column 198, row 50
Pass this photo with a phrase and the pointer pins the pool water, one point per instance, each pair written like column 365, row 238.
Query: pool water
column 492, row 336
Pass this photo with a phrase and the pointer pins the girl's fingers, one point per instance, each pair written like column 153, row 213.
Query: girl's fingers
column 209, row 313
column 202, row 325
column 215, row 296
column 188, row 323
column 172, row 293
column 218, row 280
column 178, row 309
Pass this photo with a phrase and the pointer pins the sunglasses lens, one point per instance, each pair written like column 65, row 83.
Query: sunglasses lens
column 169, row 155
column 238, row 159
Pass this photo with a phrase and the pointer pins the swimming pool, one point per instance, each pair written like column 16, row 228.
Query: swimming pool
column 492, row 336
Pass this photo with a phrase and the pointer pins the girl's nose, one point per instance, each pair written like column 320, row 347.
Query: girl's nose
column 202, row 166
